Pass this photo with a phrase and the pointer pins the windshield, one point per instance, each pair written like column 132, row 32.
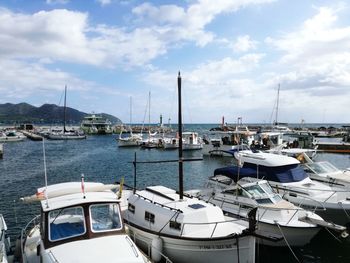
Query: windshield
column 322, row 167
column 65, row 223
column 105, row 217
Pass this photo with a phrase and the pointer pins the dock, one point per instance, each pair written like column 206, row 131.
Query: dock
column 334, row 147
column 32, row 136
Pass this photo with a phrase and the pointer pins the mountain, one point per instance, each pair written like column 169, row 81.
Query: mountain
column 47, row 113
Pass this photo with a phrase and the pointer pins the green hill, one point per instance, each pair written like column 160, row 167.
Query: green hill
column 45, row 114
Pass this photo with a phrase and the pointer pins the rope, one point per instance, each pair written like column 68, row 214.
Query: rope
column 341, row 205
column 333, row 235
column 296, row 258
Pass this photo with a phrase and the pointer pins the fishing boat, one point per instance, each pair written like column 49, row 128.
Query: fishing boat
column 78, row 222
column 288, row 178
column 191, row 141
column 96, row 124
column 185, row 229
column 6, row 255
column 65, row 134
column 237, row 196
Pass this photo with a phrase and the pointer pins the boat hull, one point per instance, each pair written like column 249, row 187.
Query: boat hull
column 181, row 250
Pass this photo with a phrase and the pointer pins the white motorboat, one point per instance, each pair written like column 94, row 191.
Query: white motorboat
column 11, row 136
column 79, row 222
column 191, row 141
column 285, row 174
column 5, row 244
column 170, row 143
column 96, row 124
column 324, row 171
column 275, row 215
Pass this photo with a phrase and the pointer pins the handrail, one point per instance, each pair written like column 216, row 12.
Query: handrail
column 32, row 223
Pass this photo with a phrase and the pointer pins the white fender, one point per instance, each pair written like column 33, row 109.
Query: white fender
column 156, row 249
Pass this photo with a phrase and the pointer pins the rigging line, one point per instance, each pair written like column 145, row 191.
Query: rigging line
column 285, row 239
column 333, row 235
column 175, row 214
column 61, row 98
column 144, row 116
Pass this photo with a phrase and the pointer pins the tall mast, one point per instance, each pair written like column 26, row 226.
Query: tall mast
column 149, row 115
column 130, row 110
column 181, row 190
column 278, row 98
column 64, row 109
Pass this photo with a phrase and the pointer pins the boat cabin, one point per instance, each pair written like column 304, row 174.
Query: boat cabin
column 80, row 216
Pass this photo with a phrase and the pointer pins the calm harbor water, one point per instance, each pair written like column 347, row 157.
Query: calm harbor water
column 99, row 159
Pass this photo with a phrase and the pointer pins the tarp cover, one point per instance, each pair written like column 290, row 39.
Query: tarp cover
column 282, row 174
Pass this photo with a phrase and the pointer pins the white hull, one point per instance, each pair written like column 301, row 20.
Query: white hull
column 180, row 250
column 126, row 143
column 295, row 236
column 12, row 139
column 66, row 137
column 191, row 147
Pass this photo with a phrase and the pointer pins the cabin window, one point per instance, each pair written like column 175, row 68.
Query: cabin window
column 149, row 217
column 66, row 223
column 175, row 225
column 105, row 217
column 131, row 208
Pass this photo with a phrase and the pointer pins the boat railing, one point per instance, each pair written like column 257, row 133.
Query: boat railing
column 161, row 205
column 28, row 230
column 141, row 243
column 214, row 226
column 339, row 194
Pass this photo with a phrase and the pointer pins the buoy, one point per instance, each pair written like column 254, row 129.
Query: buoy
column 156, row 249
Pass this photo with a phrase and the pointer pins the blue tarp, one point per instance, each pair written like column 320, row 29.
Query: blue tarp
column 282, row 174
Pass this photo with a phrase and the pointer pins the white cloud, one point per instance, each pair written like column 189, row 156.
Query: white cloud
column 104, row 2
column 244, row 44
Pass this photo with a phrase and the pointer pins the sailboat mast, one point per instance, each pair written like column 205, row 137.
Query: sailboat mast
column 64, row 109
column 149, row 115
column 278, row 98
column 181, row 190
column 130, row 110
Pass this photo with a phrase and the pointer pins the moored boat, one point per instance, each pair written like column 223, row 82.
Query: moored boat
column 96, row 124
column 6, row 255
column 287, row 177
column 79, row 222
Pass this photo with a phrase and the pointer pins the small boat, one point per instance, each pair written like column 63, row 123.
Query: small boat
column 96, row 124
column 79, row 222
column 170, row 143
column 236, row 197
column 11, row 136
column 6, row 255
column 191, row 141
column 288, row 178
column 1, row 150
column 129, row 141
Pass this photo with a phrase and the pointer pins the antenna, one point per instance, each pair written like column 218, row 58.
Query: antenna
column 278, row 98
column 45, row 172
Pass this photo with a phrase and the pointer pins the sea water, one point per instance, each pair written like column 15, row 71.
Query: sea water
column 99, row 159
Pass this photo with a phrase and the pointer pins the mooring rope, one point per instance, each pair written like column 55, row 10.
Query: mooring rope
column 285, row 239
column 333, row 235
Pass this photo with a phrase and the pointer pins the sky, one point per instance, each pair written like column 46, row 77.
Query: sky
column 123, row 57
